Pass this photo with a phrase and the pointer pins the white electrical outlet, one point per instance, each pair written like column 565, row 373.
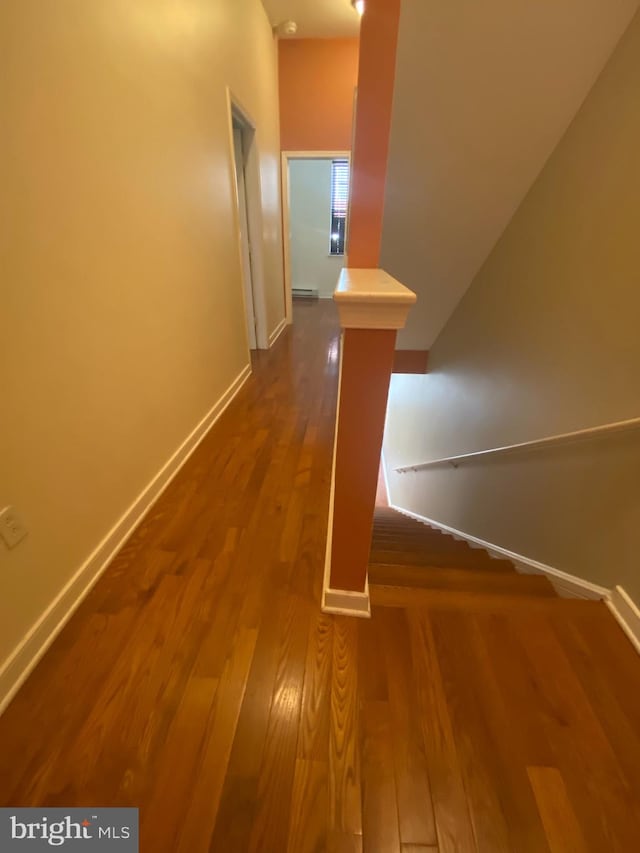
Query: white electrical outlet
column 12, row 530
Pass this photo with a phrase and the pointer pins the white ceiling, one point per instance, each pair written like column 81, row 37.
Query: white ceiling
column 483, row 94
column 315, row 18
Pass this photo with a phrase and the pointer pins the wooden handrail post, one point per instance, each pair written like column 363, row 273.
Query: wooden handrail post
column 372, row 307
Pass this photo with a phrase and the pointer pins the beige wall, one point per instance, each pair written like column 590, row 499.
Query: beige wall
column 121, row 313
column 483, row 94
column 545, row 341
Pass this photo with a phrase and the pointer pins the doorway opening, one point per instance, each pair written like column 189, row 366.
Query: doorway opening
column 315, row 202
column 246, row 168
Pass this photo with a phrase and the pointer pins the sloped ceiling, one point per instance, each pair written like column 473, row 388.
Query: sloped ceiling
column 483, row 93
column 316, row 18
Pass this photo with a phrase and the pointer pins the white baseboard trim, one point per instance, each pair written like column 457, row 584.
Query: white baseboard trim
column 279, row 329
column 626, row 614
column 566, row 585
column 17, row 667
column 346, row 603
column 342, row 602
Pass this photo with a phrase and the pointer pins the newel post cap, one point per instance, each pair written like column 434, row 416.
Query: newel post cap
column 372, row 299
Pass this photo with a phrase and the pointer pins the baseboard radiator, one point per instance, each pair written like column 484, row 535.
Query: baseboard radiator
column 305, row 293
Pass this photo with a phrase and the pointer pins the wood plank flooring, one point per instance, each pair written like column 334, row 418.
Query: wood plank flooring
column 200, row 682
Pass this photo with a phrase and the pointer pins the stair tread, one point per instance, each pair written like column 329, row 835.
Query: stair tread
column 485, row 568
column 440, row 558
column 393, row 516
column 413, row 547
column 422, row 548
column 472, row 580
column 421, row 533
column 401, row 596
column 409, row 526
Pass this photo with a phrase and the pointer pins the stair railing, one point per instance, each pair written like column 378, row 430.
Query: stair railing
column 577, row 435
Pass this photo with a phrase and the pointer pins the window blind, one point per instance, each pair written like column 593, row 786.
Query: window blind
column 339, row 205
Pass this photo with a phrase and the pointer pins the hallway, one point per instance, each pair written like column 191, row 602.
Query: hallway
column 200, row 682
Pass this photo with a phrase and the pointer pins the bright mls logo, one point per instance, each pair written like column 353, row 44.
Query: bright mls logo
column 107, row 830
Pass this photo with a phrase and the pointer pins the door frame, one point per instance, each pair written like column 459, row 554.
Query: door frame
column 253, row 192
column 286, row 156
column 245, row 236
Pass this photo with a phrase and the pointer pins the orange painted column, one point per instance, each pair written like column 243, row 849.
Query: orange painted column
column 367, row 359
column 376, row 78
column 372, row 307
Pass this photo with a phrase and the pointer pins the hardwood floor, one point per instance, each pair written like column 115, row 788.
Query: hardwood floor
column 200, row 682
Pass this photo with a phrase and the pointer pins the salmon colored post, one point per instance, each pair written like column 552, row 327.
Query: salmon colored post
column 368, row 341
column 376, row 77
column 367, row 359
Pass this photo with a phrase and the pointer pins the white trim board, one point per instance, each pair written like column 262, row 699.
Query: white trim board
column 383, row 465
column 626, row 614
column 279, row 329
column 342, row 602
column 236, row 109
column 566, row 585
column 20, row 663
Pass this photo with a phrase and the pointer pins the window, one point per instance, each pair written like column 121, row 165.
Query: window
column 339, row 205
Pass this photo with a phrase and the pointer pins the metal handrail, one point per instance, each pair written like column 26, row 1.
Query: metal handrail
column 578, row 435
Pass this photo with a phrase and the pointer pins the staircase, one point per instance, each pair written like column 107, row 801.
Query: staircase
column 411, row 562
